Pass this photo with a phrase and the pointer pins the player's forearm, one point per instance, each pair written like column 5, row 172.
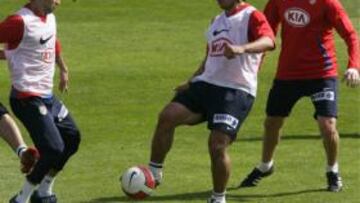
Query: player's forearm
column 200, row 70
column 2, row 55
column 260, row 45
column 353, row 45
column 61, row 63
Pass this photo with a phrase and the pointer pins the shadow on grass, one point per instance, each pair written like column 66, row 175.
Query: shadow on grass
column 299, row 137
column 280, row 194
column 175, row 197
column 204, row 195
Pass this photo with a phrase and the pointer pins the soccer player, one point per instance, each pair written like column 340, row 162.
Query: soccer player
column 307, row 68
column 221, row 91
column 33, row 51
column 10, row 132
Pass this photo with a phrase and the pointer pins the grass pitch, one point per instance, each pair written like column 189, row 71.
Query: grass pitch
column 125, row 57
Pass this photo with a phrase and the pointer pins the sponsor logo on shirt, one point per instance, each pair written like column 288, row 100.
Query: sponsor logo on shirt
column 217, row 47
column 44, row 40
column 226, row 119
column 297, row 17
column 216, row 32
column 328, row 95
column 48, row 55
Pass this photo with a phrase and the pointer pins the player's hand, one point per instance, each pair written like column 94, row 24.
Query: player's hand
column 182, row 87
column 352, row 77
column 64, row 81
column 2, row 55
column 231, row 51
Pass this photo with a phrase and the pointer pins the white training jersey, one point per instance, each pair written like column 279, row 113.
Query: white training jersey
column 239, row 72
column 32, row 63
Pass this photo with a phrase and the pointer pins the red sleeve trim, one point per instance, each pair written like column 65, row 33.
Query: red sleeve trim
column 57, row 47
column 259, row 27
column 12, row 31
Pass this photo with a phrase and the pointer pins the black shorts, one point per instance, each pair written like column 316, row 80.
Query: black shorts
column 284, row 94
column 225, row 109
column 3, row 110
column 48, row 121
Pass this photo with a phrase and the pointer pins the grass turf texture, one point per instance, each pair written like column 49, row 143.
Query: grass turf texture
column 125, row 57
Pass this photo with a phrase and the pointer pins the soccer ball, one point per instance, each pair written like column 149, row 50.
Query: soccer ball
column 137, row 182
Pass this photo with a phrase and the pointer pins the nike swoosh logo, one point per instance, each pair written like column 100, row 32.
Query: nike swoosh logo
column 43, row 41
column 132, row 176
column 216, row 32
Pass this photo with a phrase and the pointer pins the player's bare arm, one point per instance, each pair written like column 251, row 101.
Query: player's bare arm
column 2, row 55
column 64, row 73
column 185, row 85
column 260, row 45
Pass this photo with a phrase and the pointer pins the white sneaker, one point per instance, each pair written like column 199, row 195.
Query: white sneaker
column 157, row 173
column 213, row 200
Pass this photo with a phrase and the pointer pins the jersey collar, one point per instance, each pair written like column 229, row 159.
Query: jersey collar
column 237, row 9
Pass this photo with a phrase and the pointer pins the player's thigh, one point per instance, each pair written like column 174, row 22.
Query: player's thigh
column 66, row 125
column 282, row 97
column 324, row 96
column 37, row 119
column 178, row 114
column 188, row 105
column 227, row 109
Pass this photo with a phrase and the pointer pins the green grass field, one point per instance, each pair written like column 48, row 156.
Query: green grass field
column 125, row 57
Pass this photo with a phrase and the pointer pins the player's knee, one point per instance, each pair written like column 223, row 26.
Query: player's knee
column 273, row 123
column 327, row 126
column 53, row 152
column 75, row 142
column 218, row 145
column 166, row 119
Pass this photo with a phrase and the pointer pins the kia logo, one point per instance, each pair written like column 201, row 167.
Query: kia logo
column 297, row 17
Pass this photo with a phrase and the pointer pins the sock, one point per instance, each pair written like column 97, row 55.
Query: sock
column 219, row 197
column 20, row 149
column 46, row 186
column 264, row 167
column 26, row 192
column 334, row 168
column 156, row 170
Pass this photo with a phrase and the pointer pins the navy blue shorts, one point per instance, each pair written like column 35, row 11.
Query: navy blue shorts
column 3, row 110
column 284, row 94
column 225, row 109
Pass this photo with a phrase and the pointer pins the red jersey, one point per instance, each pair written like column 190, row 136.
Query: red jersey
column 308, row 47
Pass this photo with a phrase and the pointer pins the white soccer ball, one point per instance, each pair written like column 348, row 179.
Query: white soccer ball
column 137, row 182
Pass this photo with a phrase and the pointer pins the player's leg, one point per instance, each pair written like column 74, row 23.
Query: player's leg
column 282, row 97
column 324, row 98
column 37, row 119
column 226, row 111
column 182, row 110
column 10, row 132
column 70, row 134
column 220, row 163
column 173, row 115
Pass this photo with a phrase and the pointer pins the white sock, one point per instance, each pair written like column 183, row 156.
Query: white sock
column 46, row 186
column 334, row 168
column 264, row 167
column 26, row 192
column 219, row 197
column 156, row 170
column 20, row 149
